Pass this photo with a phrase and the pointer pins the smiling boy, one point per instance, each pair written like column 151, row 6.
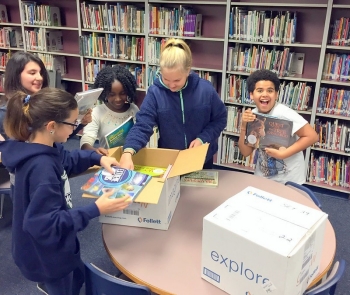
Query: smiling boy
column 284, row 164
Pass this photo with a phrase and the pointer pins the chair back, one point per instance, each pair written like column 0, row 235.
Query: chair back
column 98, row 282
column 305, row 191
column 328, row 286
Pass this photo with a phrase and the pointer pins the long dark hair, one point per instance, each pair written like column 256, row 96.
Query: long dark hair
column 15, row 67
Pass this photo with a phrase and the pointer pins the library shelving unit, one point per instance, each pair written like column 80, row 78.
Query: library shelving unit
column 307, row 40
column 329, row 162
column 85, row 34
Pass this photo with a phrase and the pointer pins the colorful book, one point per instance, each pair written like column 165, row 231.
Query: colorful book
column 268, row 132
column 87, row 100
column 150, row 170
column 118, row 135
column 124, row 182
column 203, row 178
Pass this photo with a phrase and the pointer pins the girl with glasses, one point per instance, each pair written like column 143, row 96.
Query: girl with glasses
column 45, row 224
column 117, row 106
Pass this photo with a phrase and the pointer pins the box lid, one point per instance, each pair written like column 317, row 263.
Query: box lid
column 189, row 160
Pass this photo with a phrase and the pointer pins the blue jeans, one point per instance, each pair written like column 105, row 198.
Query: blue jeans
column 68, row 285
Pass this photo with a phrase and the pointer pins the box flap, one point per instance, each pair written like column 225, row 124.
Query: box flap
column 151, row 192
column 189, row 160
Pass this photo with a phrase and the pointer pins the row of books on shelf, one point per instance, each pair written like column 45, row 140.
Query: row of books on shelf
column 92, row 67
column 54, row 62
column 333, row 135
column 4, row 58
column 262, row 26
column 11, row 37
column 234, row 119
column 209, row 76
column 340, row 32
column 252, row 58
column 41, row 15
column 334, row 101
column 330, row 170
column 230, row 153
column 155, row 47
column 43, row 40
column 119, row 17
column 336, row 67
column 113, row 46
column 294, row 95
column 182, row 21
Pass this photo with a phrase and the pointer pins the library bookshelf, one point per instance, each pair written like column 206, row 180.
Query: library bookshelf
column 89, row 40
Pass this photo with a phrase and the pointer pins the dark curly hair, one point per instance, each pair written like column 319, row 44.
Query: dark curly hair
column 262, row 75
column 109, row 74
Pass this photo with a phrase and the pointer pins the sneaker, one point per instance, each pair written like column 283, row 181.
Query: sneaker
column 42, row 288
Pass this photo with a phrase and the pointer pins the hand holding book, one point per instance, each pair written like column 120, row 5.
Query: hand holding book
column 277, row 153
column 108, row 162
column 107, row 205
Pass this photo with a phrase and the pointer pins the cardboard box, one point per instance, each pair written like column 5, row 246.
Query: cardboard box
column 156, row 203
column 258, row 243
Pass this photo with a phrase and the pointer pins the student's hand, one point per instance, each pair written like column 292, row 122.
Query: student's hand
column 126, row 161
column 87, row 117
column 106, row 205
column 107, row 162
column 102, row 151
column 248, row 116
column 195, row 143
column 277, row 154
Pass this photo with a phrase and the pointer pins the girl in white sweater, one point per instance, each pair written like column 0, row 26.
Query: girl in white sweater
column 118, row 96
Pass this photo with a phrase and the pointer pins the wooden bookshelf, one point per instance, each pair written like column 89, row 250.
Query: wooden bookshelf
column 210, row 49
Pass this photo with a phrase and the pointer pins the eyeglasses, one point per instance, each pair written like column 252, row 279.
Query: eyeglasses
column 75, row 124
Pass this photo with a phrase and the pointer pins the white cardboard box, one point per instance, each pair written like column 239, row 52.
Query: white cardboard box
column 257, row 243
column 157, row 216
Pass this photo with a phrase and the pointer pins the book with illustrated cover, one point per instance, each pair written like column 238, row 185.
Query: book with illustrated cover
column 3, row 14
column 268, row 132
column 150, row 170
column 204, row 178
column 118, row 135
column 87, row 100
column 55, row 16
column 124, row 182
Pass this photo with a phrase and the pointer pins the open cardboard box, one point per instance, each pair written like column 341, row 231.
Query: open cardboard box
column 156, row 203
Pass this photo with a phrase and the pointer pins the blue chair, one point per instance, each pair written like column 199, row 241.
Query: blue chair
column 98, row 282
column 328, row 286
column 305, row 191
column 5, row 188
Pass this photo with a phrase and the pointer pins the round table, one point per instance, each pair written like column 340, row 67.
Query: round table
column 169, row 262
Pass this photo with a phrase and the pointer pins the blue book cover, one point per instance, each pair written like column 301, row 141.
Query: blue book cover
column 124, row 182
column 117, row 136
